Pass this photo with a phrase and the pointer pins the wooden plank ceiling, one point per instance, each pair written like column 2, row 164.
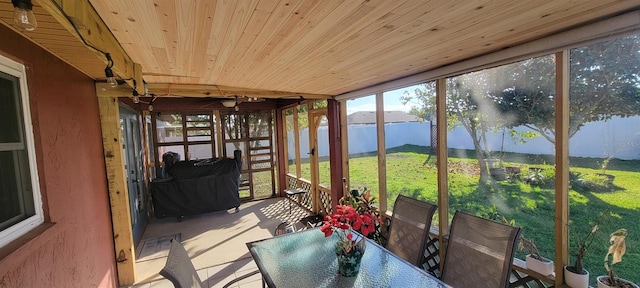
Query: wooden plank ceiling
column 284, row 48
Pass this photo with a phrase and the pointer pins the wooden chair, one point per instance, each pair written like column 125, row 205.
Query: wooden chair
column 479, row 252
column 409, row 229
column 179, row 269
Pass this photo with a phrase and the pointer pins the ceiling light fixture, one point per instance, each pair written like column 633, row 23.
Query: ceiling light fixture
column 229, row 103
column 111, row 80
column 23, row 15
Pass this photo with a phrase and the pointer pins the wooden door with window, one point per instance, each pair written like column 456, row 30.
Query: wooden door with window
column 319, row 161
column 133, row 158
column 252, row 133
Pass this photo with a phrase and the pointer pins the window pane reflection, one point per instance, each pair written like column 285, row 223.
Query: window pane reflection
column 604, row 149
column 410, row 160
column 501, row 146
column 363, row 143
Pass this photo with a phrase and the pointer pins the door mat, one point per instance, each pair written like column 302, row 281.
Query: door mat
column 154, row 248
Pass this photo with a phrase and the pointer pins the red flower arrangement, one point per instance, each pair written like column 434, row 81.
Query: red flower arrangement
column 364, row 203
column 343, row 222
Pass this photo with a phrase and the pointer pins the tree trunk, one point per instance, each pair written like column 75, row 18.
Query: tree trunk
column 481, row 154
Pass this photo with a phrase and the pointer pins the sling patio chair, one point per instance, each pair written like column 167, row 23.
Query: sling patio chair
column 409, row 229
column 179, row 269
column 479, row 252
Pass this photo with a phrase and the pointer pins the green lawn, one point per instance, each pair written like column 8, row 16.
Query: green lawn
column 530, row 206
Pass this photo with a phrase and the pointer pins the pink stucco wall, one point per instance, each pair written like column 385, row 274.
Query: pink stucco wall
column 78, row 250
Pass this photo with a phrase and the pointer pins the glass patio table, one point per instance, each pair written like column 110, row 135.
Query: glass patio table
column 307, row 259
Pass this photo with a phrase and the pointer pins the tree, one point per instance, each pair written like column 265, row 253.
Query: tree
column 467, row 106
column 524, row 95
column 604, row 82
column 422, row 101
column 303, row 116
column 243, row 126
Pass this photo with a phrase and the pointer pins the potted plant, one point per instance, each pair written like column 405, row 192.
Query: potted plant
column 535, row 262
column 607, row 177
column 350, row 247
column 575, row 276
column 364, row 204
column 617, row 248
column 496, row 170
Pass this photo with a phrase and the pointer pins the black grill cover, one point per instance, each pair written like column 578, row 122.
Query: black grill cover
column 197, row 187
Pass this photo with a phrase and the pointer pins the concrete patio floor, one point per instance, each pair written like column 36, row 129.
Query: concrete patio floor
column 216, row 243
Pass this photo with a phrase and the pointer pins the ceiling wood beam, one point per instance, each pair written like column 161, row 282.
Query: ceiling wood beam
column 83, row 22
column 224, row 91
column 196, row 90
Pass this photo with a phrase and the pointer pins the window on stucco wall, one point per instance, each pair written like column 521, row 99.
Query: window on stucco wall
column 20, row 205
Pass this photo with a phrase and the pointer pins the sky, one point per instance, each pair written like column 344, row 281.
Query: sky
column 391, row 101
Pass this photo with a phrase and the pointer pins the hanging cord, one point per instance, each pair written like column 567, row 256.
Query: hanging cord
column 135, row 85
column 109, row 60
column 78, row 31
column 222, row 93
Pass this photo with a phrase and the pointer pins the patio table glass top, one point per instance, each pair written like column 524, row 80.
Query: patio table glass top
column 307, row 259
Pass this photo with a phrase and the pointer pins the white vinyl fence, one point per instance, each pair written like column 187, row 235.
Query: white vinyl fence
column 617, row 137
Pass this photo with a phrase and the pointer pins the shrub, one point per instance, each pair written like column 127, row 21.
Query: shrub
column 590, row 183
column 541, row 177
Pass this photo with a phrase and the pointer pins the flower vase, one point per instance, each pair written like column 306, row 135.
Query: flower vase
column 349, row 263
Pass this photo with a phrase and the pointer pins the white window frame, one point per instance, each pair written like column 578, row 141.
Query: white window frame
column 18, row 70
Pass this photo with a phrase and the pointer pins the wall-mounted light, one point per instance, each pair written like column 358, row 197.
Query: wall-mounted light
column 111, row 79
column 23, row 15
